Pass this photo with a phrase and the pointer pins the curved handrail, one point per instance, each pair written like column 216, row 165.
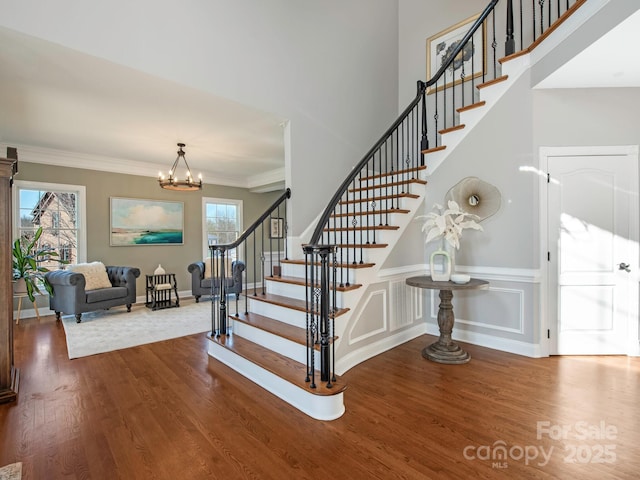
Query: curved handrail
column 254, row 226
column 422, row 86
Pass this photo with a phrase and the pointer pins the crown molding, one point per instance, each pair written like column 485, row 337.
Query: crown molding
column 64, row 158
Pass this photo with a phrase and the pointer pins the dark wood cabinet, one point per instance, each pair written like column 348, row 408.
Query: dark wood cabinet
column 9, row 375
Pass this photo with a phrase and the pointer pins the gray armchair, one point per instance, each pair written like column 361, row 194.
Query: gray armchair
column 70, row 296
column 201, row 285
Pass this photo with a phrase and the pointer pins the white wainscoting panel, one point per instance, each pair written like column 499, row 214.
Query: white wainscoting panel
column 362, row 328
column 500, row 309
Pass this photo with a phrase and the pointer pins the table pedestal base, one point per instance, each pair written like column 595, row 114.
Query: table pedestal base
column 451, row 354
column 446, row 350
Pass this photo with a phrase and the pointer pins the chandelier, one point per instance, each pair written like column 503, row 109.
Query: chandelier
column 173, row 182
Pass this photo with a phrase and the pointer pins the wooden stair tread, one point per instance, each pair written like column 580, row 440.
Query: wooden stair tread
column 268, row 324
column 372, row 212
column 392, row 173
column 300, row 281
column 390, row 184
column 340, row 265
column 284, row 367
column 287, row 302
column 361, row 228
column 434, row 149
column 377, row 199
column 471, row 107
column 363, row 245
column 492, row 82
column 276, row 327
column 452, row 129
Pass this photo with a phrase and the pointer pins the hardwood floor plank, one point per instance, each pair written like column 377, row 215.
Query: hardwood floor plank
column 167, row 410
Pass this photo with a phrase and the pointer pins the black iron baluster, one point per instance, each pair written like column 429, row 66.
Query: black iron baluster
column 262, row 259
column 533, row 18
column 444, row 105
column 510, row 44
column 334, row 309
column 246, row 277
column 494, row 47
column 521, row 27
column 307, row 252
column 223, row 293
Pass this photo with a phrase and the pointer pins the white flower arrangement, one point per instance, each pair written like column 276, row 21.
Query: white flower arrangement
column 448, row 223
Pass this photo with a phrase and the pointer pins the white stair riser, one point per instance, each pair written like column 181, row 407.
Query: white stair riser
column 280, row 345
column 294, row 270
column 286, row 315
column 285, row 347
column 360, row 237
column 294, row 291
column 320, row 407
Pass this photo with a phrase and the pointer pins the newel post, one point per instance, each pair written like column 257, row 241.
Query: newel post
column 510, row 44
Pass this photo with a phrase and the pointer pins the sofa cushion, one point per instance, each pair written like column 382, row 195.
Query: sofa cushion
column 227, row 267
column 206, row 283
column 102, row 294
column 95, row 274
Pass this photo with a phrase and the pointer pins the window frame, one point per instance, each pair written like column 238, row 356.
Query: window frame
column 226, row 201
column 81, row 211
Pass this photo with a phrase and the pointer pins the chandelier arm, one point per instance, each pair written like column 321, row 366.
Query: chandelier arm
column 187, row 164
column 174, row 167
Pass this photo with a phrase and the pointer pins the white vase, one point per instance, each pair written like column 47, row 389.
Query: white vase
column 159, row 270
column 451, row 250
column 440, row 258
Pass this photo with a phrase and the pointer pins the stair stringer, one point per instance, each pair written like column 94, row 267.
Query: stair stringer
column 349, row 355
column 513, row 70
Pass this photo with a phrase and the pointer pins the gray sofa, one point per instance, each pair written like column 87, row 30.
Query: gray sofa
column 70, row 297
column 200, row 285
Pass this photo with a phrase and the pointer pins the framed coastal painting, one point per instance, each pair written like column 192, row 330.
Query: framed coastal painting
column 136, row 222
column 470, row 60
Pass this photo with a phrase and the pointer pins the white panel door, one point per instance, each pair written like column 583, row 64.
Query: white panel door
column 593, row 253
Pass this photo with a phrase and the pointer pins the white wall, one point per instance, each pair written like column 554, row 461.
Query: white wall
column 508, row 138
column 419, row 20
column 329, row 67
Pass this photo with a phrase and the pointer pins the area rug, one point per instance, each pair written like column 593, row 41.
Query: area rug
column 11, row 472
column 115, row 329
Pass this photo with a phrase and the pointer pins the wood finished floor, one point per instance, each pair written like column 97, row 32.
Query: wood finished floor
column 168, row 411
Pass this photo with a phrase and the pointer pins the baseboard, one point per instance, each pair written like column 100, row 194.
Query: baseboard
column 496, row 343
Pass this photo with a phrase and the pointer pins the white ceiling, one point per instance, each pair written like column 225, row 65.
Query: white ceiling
column 63, row 107
column 609, row 62
column 60, row 106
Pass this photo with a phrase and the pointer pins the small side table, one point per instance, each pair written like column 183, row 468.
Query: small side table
column 158, row 291
column 445, row 350
column 20, row 296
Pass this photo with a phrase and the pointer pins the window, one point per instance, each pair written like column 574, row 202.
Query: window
column 55, row 222
column 222, row 223
column 59, row 210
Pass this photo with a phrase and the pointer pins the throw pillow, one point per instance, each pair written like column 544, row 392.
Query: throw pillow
column 227, row 267
column 95, row 274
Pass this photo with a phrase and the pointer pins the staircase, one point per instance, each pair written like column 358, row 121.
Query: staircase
column 281, row 336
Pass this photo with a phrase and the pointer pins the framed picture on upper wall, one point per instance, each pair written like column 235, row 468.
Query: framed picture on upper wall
column 136, row 222
column 277, row 228
column 470, row 60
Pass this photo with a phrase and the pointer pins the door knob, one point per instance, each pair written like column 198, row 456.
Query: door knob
column 624, row 266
